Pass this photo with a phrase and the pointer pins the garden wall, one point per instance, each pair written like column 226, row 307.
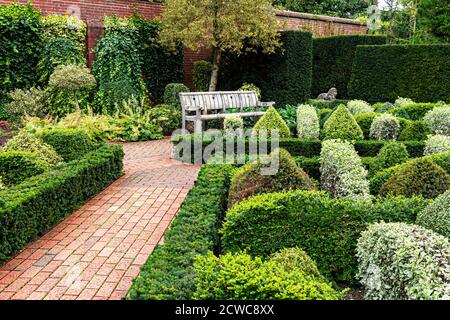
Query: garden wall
column 94, row 10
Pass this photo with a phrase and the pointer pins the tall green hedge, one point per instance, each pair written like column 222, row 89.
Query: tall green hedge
column 419, row 72
column 283, row 77
column 32, row 207
column 333, row 61
column 21, row 45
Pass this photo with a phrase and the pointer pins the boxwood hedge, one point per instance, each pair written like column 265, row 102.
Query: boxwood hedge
column 168, row 273
column 17, row 166
column 28, row 209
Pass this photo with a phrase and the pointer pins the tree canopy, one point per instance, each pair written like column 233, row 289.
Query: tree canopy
column 339, row 8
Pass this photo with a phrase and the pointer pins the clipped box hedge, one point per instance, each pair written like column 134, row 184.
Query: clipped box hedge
column 29, row 209
column 168, row 274
column 419, row 72
column 284, row 77
column 17, row 166
column 333, row 61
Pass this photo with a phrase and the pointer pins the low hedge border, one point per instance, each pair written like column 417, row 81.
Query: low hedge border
column 168, row 274
column 304, row 148
column 29, row 209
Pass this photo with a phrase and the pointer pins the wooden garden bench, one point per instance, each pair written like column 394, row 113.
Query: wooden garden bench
column 202, row 106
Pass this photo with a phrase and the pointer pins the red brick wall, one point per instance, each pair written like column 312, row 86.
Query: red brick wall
column 94, row 10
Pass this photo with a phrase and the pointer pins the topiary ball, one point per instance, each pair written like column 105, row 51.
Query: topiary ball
column 342, row 125
column 272, row 122
column 438, row 143
column 251, row 180
column 391, row 154
column 296, row 259
column 420, row 177
column 437, row 215
column 415, row 131
column 385, row 127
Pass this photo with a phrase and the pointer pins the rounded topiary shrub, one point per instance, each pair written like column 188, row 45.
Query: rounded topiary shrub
column 415, row 131
column 17, row 166
column 272, row 122
column 436, row 216
column 296, row 259
column 385, row 127
column 342, row 172
column 437, row 144
column 401, row 261
column 364, row 121
column 308, row 124
column 165, row 116
column 438, row 120
column 254, row 178
column 233, row 125
column 27, row 142
column 359, row 106
column 400, row 102
column 172, row 94
column 420, row 177
column 342, row 125
column 242, row 277
column 201, row 75
column 392, row 153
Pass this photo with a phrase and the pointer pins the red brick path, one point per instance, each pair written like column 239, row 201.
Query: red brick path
column 96, row 252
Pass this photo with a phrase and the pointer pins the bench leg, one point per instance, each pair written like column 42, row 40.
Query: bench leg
column 198, row 122
column 183, row 119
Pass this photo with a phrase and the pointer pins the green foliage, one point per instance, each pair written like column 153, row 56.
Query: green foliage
column 33, row 102
column 29, row 209
column 71, row 28
column 20, row 43
column 416, row 71
column 359, row 106
column 117, row 69
column 342, row 125
column 296, row 258
column 255, row 178
column 233, row 125
column 342, row 172
column 166, row 117
column 420, row 177
column 326, row 228
column 438, row 120
column 415, row 111
column 437, row 144
column 308, row 124
column 251, row 87
column 385, row 127
column 241, row 277
column 59, row 51
column 326, row 104
column 27, row 142
column 168, row 273
column 172, row 94
column 289, row 115
column 201, row 75
column 333, row 61
column 272, row 122
column 392, row 154
column 434, row 16
column 364, row 121
column 70, row 144
column 336, row 8
column 283, row 77
column 436, row 216
column 401, row 261
column 415, row 130
column 17, row 166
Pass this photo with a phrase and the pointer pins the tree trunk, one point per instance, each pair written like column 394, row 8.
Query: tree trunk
column 215, row 69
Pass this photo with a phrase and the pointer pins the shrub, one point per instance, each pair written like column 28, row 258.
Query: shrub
column 289, row 115
column 241, row 277
column 233, row 125
column 27, row 142
column 2, row 186
column 272, row 122
column 342, row 172
column 384, row 107
column 385, row 127
column 255, row 178
column 296, row 259
column 415, row 112
column 359, row 106
column 342, row 125
column 251, row 87
column 17, row 166
column 70, row 144
column 117, row 69
column 333, row 60
column 415, row 71
column 172, row 94
column 29, row 209
column 438, row 120
column 400, row 102
column 414, row 130
column 418, row 177
column 283, row 77
column 165, row 116
column 326, row 228
column 21, row 45
column 169, row 273
column 201, row 75
column 32, row 102
column 326, row 104
column 437, row 144
column 436, row 216
column 365, row 121
column 393, row 153
column 308, row 124
column 400, row 261
column 67, row 27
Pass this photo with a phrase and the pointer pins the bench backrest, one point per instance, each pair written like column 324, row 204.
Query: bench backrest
column 218, row 100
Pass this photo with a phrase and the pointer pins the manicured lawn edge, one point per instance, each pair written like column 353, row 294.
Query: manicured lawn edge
column 29, row 209
column 168, row 273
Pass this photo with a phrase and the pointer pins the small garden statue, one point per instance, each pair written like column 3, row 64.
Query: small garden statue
column 330, row 96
